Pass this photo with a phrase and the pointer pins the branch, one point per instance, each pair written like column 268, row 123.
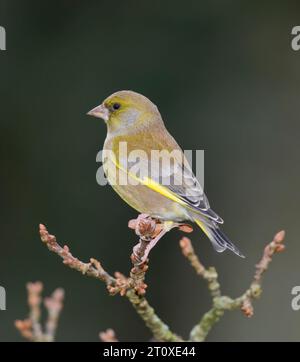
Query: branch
column 31, row 328
column 221, row 303
column 210, row 274
column 54, row 305
column 132, row 287
column 160, row 331
column 108, row 336
column 91, row 269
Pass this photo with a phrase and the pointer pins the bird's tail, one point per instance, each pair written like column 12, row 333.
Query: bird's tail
column 219, row 240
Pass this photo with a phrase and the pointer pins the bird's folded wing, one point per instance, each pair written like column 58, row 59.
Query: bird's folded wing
column 175, row 181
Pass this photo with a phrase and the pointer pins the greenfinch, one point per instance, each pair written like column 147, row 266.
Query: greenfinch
column 134, row 121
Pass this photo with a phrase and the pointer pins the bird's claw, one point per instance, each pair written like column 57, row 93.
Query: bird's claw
column 143, row 248
column 150, row 231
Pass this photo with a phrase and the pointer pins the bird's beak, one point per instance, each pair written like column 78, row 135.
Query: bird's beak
column 99, row 112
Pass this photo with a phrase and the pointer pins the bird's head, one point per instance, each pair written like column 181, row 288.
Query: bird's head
column 125, row 111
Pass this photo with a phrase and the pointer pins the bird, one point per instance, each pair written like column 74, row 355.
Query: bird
column 134, row 121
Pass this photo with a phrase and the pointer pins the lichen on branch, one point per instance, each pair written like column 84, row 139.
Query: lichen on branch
column 222, row 303
column 133, row 287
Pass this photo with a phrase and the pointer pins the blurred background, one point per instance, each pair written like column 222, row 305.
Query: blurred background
column 225, row 79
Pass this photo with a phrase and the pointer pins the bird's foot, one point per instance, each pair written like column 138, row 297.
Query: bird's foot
column 150, row 231
column 143, row 248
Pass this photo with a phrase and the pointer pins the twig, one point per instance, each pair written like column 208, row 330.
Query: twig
column 92, row 269
column 108, row 336
column 148, row 230
column 133, row 287
column 160, row 330
column 34, row 302
column 221, row 303
column 31, row 328
column 210, row 274
column 54, row 305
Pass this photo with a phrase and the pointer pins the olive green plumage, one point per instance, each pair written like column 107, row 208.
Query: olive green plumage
column 134, row 120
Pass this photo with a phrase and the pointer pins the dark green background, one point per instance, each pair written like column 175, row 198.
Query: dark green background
column 226, row 80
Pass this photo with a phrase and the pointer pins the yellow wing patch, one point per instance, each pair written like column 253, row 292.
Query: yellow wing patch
column 155, row 186
column 202, row 226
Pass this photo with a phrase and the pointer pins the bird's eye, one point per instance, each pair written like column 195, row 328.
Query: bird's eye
column 116, row 106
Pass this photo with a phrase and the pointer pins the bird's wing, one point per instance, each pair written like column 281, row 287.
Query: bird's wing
column 191, row 192
column 173, row 179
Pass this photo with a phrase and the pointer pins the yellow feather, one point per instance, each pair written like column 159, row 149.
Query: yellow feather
column 153, row 185
column 202, row 226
